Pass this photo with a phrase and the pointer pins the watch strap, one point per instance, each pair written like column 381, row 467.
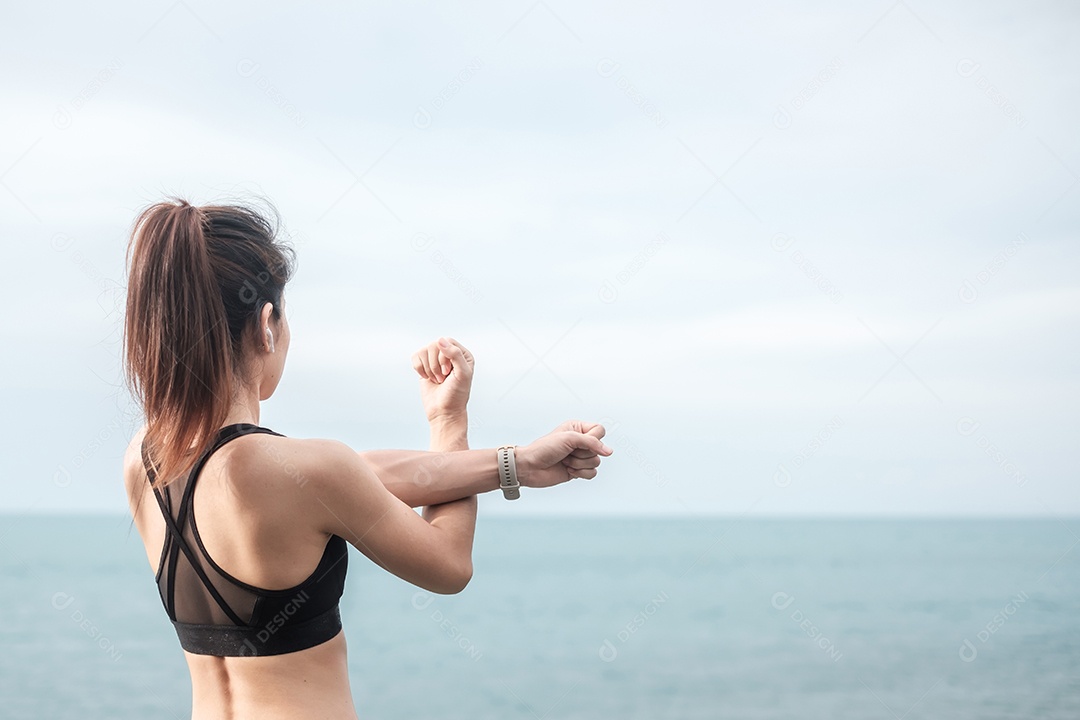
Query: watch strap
column 508, row 481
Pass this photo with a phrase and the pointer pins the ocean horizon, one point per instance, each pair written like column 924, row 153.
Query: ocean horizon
column 594, row 616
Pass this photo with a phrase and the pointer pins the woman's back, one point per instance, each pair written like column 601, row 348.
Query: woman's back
column 248, row 557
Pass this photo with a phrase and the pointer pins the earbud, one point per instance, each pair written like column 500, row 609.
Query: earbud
column 270, row 339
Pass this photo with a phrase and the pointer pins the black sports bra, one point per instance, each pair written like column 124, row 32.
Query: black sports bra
column 216, row 614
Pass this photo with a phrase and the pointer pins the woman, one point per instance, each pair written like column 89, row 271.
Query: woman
column 252, row 587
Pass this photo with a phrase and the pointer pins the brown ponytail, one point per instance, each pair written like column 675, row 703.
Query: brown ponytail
column 197, row 279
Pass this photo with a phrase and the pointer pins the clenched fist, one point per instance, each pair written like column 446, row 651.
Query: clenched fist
column 445, row 367
column 572, row 450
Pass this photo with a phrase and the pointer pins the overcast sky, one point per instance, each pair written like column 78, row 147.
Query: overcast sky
column 798, row 261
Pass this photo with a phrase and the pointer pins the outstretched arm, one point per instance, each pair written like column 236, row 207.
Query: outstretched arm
column 419, row 477
column 449, row 471
column 429, row 477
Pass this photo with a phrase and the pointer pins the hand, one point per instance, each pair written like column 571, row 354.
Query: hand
column 571, row 450
column 445, row 378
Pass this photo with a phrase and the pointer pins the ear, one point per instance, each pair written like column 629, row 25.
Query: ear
column 264, row 323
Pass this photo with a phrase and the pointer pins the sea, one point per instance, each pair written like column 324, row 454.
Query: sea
column 581, row 617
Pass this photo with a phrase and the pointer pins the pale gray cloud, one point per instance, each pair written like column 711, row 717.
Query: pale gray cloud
column 799, row 261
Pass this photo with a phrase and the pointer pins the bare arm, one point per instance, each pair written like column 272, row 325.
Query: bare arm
column 342, row 495
column 422, row 477
column 449, row 471
column 458, row 517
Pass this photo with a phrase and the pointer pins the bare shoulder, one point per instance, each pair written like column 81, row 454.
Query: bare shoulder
column 132, row 470
column 259, row 462
column 285, row 461
column 134, row 448
column 327, row 485
column 304, row 479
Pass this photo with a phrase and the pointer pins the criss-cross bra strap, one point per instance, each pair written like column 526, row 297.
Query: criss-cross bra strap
column 179, row 540
column 225, row 434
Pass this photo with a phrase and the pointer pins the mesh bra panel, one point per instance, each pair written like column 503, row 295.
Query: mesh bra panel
column 216, row 614
column 192, row 600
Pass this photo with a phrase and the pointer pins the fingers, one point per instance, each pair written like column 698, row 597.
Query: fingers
column 595, row 429
column 587, row 474
column 583, row 452
column 457, row 358
column 581, row 468
column 468, row 356
column 588, row 443
column 449, row 354
column 435, row 362
column 419, row 363
column 422, row 365
column 575, row 463
column 425, row 363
